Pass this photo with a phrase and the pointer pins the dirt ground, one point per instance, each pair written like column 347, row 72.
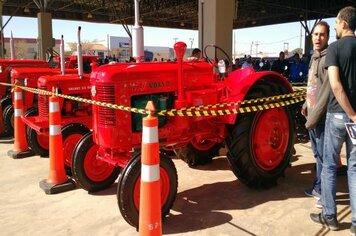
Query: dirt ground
column 210, row 201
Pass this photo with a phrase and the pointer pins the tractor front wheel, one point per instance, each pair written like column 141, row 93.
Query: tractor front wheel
column 128, row 191
column 71, row 134
column 91, row 173
column 37, row 142
column 8, row 116
column 260, row 143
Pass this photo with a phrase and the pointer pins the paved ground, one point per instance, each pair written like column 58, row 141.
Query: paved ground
column 210, row 201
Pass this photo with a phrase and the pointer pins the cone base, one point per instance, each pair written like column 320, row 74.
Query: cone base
column 20, row 154
column 57, row 188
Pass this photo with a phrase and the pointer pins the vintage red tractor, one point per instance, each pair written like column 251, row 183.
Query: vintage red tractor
column 259, row 143
column 76, row 116
column 5, row 77
column 29, row 76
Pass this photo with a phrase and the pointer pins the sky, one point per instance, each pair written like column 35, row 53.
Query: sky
column 268, row 39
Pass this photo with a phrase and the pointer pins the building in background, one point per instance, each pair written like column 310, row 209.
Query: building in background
column 25, row 48
column 112, row 47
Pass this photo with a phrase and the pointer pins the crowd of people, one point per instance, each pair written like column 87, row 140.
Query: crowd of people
column 294, row 68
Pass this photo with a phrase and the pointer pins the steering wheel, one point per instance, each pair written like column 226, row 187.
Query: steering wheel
column 216, row 49
column 52, row 53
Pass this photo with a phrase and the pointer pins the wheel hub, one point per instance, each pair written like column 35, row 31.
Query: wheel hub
column 270, row 138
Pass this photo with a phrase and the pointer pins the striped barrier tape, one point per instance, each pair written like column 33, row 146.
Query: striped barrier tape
column 205, row 110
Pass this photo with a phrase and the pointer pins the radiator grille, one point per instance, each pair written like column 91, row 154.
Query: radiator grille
column 106, row 116
column 43, row 104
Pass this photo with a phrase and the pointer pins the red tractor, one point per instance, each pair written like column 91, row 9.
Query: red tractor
column 5, row 77
column 259, row 143
column 29, row 76
column 76, row 116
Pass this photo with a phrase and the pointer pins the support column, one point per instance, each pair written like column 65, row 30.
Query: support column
column 216, row 23
column 45, row 39
column 308, row 45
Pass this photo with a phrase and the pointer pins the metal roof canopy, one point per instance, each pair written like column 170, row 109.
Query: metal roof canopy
column 181, row 14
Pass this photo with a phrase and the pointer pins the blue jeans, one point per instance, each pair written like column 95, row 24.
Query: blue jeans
column 317, row 145
column 335, row 136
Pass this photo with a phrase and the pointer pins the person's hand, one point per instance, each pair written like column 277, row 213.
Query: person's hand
column 353, row 118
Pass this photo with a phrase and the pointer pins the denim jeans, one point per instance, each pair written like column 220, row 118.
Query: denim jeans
column 317, row 144
column 335, row 136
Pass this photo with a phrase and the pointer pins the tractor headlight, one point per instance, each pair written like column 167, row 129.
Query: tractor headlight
column 0, row 69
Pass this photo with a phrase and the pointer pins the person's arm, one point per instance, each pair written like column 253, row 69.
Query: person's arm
column 339, row 92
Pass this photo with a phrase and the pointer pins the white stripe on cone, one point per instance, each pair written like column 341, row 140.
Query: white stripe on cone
column 149, row 134
column 53, row 106
column 149, row 173
column 18, row 96
column 54, row 129
column 17, row 112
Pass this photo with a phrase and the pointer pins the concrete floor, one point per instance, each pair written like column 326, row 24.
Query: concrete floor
column 210, row 201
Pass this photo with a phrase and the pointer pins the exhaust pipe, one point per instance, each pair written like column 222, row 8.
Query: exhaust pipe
column 12, row 48
column 61, row 51
column 79, row 55
column 180, row 48
column 137, row 35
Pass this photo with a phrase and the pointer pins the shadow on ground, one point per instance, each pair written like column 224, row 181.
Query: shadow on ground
column 200, row 208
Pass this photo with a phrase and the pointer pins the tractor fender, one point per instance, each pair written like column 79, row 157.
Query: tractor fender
column 240, row 81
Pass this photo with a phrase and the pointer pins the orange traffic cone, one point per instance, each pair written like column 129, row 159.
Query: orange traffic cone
column 21, row 149
column 150, row 220
column 57, row 181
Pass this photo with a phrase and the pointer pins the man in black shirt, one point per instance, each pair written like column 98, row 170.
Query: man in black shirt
column 281, row 65
column 341, row 64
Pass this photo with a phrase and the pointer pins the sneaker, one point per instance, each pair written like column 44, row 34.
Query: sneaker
column 353, row 230
column 318, row 204
column 311, row 192
column 330, row 223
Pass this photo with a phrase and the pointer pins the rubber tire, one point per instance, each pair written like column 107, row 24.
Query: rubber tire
column 78, row 170
column 239, row 143
column 68, row 148
column 32, row 141
column 194, row 157
column 6, row 101
column 127, row 181
column 31, row 112
column 8, row 116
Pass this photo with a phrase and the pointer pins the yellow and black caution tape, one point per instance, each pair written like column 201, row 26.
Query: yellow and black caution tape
column 238, row 103
column 300, row 88
column 296, row 97
column 254, row 108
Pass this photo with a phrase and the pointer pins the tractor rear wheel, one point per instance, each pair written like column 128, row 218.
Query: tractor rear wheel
column 71, row 134
column 199, row 152
column 128, row 191
column 88, row 171
column 8, row 116
column 260, row 143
